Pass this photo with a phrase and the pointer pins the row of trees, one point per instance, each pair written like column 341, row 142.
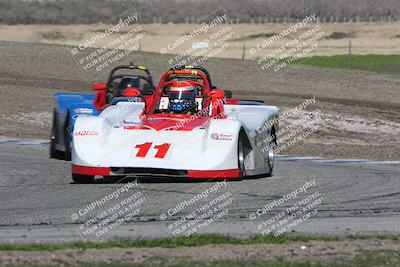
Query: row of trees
column 189, row 11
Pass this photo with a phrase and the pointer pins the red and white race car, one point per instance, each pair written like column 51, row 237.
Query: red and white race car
column 187, row 128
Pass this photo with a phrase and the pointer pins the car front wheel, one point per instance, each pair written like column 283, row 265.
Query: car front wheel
column 82, row 179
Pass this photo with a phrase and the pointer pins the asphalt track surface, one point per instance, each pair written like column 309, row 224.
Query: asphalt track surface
column 37, row 198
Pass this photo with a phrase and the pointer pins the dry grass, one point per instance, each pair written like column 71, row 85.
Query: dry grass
column 366, row 38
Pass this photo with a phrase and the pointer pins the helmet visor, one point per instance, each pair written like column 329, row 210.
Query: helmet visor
column 180, row 95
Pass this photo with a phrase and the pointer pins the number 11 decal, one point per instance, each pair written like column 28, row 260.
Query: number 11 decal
column 145, row 147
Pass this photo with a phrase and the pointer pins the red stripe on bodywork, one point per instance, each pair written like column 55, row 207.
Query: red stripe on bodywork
column 83, row 170
column 220, row 174
column 134, row 127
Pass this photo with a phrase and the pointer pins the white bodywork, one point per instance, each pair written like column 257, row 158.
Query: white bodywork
column 104, row 141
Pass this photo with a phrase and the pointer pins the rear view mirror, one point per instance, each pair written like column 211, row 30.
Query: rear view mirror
column 99, row 86
column 217, row 94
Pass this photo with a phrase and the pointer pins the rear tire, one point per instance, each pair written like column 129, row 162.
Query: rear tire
column 54, row 153
column 82, row 179
column 67, row 139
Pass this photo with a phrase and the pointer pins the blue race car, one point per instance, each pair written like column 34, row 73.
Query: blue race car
column 69, row 106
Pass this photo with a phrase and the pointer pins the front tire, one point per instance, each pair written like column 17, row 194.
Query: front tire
column 82, row 179
column 244, row 149
column 271, row 152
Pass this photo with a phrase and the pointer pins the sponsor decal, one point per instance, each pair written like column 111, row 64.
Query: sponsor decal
column 222, row 136
column 83, row 110
column 86, row 133
column 214, row 136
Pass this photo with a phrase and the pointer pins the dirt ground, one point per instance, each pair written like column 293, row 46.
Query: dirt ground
column 315, row 251
column 361, row 109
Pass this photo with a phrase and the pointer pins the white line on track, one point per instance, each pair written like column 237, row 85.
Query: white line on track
column 24, row 142
column 337, row 161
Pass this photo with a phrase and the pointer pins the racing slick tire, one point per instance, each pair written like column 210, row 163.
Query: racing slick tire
column 244, row 149
column 82, row 179
column 271, row 152
column 67, row 139
column 54, row 153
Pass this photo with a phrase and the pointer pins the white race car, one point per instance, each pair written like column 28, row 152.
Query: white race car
column 187, row 128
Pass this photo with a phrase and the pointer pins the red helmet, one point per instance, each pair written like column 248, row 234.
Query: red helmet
column 131, row 92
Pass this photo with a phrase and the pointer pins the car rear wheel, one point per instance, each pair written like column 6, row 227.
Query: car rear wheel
column 54, row 153
column 67, row 139
column 82, row 179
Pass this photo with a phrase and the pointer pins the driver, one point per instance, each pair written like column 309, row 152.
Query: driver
column 182, row 97
column 124, row 84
